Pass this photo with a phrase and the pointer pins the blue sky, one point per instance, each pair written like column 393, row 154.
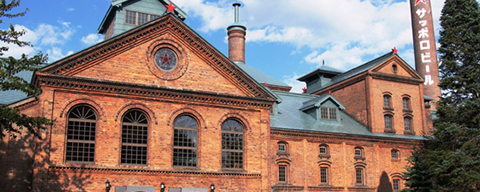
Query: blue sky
column 285, row 39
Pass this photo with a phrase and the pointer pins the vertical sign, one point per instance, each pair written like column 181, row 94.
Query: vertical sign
column 424, row 46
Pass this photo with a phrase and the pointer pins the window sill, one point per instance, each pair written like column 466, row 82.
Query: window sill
column 324, row 156
column 282, row 153
column 407, row 110
column 186, row 168
column 409, row 132
column 359, row 158
column 388, row 108
column 390, row 131
column 396, row 160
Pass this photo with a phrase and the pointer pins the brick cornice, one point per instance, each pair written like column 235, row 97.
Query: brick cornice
column 89, row 57
column 147, row 171
column 396, row 78
column 141, row 90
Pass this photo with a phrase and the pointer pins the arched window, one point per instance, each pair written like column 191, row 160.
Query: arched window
column 81, row 129
column 232, row 144
column 387, row 101
column 134, row 138
column 407, row 121
column 388, row 122
column 406, row 103
column 185, row 141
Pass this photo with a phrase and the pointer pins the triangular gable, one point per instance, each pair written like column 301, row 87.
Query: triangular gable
column 396, row 66
column 317, row 102
column 169, row 24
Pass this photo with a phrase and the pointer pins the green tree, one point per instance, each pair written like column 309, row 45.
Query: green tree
column 452, row 155
column 11, row 120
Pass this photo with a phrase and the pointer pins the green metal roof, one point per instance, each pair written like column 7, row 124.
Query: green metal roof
column 288, row 116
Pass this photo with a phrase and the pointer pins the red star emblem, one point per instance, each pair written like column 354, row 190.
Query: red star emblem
column 265, row 84
column 394, row 50
column 418, row 1
column 165, row 59
column 304, row 89
column 172, row 8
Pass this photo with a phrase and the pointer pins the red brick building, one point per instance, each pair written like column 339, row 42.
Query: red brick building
column 156, row 104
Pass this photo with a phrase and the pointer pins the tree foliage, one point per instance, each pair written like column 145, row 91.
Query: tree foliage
column 450, row 159
column 11, row 121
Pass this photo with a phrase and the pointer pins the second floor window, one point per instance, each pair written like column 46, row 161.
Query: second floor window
column 407, row 123
column 388, row 122
column 185, row 139
column 81, row 129
column 406, row 103
column 232, row 144
column 134, row 138
column 387, row 101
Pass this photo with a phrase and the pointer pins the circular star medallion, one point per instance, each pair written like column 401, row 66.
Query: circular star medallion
column 166, row 59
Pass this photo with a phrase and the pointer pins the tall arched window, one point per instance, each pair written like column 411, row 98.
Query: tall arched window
column 81, row 129
column 232, row 144
column 185, row 141
column 134, row 138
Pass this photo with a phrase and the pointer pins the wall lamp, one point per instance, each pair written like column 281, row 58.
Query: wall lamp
column 162, row 187
column 212, row 188
column 107, row 186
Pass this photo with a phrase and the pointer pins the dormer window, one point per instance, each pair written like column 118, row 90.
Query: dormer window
column 328, row 113
column 137, row 18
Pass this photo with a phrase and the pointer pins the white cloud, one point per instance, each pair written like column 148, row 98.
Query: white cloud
column 342, row 32
column 55, row 53
column 91, row 39
column 44, row 37
column 297, row 86
column 70, row 9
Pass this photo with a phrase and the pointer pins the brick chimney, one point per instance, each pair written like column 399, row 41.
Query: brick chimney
column 236, row 38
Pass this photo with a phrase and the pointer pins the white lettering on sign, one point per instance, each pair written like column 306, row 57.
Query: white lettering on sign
column 421, row 12
column 428, row 80
column 425, row 45
column 423, row 33
column 427, row 68
column 426, row 58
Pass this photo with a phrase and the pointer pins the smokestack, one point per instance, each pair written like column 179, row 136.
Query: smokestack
column 425, row 49
column 236, row 38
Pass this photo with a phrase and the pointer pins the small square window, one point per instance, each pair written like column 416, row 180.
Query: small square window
column 358, row 152
column 394, row 154
column 282, row 147
column 323, row 150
